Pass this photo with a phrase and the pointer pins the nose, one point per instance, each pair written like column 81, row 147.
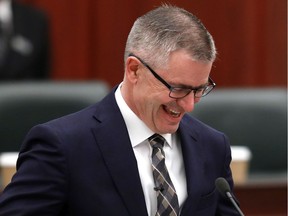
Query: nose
column 188, row 102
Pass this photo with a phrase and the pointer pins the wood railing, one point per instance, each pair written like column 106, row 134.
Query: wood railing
column 262, row 198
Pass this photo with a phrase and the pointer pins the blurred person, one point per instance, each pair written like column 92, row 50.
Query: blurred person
column 24, row 42
column 137, row 152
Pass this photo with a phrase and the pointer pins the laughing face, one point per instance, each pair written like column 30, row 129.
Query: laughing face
column 149, row 98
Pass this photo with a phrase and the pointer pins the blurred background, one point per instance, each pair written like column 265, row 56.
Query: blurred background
column 67, row 54
column 88, row 38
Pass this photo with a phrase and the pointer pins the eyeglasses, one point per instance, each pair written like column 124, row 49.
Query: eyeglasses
column 180, row 92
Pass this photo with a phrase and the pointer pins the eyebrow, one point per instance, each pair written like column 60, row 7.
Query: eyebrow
column 188, row 86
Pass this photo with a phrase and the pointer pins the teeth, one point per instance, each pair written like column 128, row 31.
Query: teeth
column 174, row 112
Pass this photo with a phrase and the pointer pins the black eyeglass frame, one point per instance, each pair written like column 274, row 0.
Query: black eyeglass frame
column 205, row 90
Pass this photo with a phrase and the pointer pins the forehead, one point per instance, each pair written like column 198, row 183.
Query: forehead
column 184, row 70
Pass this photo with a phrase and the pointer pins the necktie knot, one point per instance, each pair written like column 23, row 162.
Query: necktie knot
column 157, row 141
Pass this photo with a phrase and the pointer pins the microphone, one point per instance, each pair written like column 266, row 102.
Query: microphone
column 159, row 188
column 224, row 189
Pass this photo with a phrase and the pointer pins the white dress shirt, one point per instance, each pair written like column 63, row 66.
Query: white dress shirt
column 139, row 133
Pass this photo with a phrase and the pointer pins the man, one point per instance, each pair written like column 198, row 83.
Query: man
column 24, row 42
column 103, row 159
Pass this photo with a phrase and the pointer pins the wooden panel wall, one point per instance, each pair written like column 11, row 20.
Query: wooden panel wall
column 88, row 38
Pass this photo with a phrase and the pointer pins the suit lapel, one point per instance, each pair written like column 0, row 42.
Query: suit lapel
column 115, row 146
column 194, row 166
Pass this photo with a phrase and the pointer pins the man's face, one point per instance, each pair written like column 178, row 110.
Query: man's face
column 149, row 98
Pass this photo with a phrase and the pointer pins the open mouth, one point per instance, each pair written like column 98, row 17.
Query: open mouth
column 172, row 112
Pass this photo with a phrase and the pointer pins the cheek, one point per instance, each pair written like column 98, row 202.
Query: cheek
column 149, row 107
column 151, row 104
column 148, row 98
column 144, row 103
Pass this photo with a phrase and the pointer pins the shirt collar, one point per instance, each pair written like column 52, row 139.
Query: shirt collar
column 141, row 132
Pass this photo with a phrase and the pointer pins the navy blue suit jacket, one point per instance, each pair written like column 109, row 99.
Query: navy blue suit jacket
column 83, row 164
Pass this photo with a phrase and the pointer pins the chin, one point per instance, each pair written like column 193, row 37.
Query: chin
column 169, row 130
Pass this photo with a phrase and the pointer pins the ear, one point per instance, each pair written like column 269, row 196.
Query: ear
column 132, row 69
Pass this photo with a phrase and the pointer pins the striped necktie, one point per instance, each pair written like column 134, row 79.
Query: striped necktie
column 167, row 200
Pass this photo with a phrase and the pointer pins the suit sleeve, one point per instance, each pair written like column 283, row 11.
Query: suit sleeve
column 39, row 186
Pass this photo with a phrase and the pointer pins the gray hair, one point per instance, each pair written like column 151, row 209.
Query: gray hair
column 166, row 29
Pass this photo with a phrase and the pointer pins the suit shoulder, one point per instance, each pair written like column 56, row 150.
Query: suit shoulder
column 78, row 117
column 198, row 125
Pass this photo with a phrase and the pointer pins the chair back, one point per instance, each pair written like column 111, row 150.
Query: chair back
column 256, row 118
column 25, row 104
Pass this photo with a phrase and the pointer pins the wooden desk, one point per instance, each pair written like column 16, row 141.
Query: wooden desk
column 262, row 198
